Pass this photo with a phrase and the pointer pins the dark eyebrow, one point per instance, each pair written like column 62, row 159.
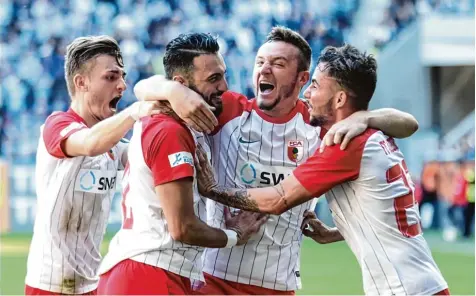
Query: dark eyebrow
column 216, row 74
column 314, row 81
column 117, row 72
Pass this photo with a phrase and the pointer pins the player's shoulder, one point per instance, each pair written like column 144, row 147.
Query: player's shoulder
column 235, row 101
column 163, row 125
column 367, row 136
column 64, row 116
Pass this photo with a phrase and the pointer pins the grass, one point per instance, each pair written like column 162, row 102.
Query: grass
column 325, row 269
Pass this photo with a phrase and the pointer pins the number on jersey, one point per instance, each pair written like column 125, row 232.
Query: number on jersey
column 127, row 216
column 406, row 201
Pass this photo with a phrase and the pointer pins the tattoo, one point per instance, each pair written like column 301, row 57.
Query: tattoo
column 237, row 198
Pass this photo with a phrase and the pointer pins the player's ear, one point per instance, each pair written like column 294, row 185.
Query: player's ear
column 180, row 79
column 80, row 82
column 341, row 99
column 303, row 77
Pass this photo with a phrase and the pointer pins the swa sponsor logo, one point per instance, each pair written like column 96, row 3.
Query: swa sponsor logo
column 251, row 174
column 89, row 182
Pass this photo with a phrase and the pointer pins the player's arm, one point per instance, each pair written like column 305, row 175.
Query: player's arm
column 318, row 231
column 168, row 150
column 98, row 139
column 176, row 199
column 317, row 175
column 392, row 122
column 186, row 103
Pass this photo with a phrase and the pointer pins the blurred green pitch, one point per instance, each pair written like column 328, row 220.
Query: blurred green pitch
column 325, row 269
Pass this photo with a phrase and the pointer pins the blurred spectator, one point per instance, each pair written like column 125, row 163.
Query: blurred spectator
column 34, row 35
column 400, row 13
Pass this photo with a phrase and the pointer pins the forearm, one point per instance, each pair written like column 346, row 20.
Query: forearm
column 158, row 88
column 336, row 236
column 198, row 233
column 393, row 122
column 269, row 200
column 107, row 133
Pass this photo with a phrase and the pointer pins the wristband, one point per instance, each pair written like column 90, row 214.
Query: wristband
column 232, row 238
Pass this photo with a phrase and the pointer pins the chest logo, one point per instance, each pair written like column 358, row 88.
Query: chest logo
column 295, row 150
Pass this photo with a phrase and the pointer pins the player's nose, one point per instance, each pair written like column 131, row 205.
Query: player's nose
column 122, row 86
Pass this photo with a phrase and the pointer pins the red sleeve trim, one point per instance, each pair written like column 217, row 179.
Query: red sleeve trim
column 59, row 127
column 168, row 148
column 322, row 171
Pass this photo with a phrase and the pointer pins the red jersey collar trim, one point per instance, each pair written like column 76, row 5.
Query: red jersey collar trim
column 281, row 119
column 76, row 115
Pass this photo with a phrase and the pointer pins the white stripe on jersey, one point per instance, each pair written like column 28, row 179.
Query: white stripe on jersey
column 71, row 220
column 249, row 151
column 364, row 212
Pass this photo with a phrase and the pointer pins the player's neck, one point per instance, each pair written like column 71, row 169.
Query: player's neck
column 342, row 114
column 78, row 105
column 283, row 108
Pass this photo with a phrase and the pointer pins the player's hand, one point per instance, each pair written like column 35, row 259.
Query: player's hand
column 195, row 112
column 205, row 176
column 318, row 231
column 345, row 130
column 142, row 109
column 244, row 223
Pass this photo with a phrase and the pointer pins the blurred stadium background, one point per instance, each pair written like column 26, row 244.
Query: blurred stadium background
column 425, row 50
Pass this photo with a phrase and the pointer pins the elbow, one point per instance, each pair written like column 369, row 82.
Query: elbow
column 92, row 150
column 181, row 232
column 413, row 125
column 178, row 234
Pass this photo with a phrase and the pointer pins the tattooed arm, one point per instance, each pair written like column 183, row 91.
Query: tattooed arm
column 317, row 175
column 273, row 200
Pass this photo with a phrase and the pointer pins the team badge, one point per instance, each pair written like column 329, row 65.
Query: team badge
column 295, row 150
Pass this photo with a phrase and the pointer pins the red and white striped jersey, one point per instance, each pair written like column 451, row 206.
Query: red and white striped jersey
column 373, row 206
column 74, row 199
column 161, row 150
column 252, row 149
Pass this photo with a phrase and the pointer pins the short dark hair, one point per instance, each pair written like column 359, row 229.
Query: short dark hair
column 180, row 52
column 286, row 35
column 82, row 50
column 354, row 70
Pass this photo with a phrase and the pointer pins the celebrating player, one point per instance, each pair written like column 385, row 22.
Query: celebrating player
column 368, row 187
column 79, row 154
column 257, row 143
column 158, row 250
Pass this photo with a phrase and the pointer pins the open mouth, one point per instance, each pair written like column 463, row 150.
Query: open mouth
column 266, row 87
column 114, row 102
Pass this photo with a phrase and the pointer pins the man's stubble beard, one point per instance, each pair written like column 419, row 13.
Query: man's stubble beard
column 287, row 90
column 323, row 119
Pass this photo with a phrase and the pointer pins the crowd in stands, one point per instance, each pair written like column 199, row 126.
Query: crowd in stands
column 400, row 13
column 34, row 36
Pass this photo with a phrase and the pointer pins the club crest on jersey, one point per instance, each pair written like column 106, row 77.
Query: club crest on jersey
column 295, row 150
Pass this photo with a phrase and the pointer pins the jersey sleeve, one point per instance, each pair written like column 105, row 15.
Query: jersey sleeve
column 322, row 171
column 168, row 150
column 58, row 127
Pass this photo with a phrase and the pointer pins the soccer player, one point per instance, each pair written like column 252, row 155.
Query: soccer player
column 258, row 143
column 79, row 154
column 158, row 249
column 367, row 186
